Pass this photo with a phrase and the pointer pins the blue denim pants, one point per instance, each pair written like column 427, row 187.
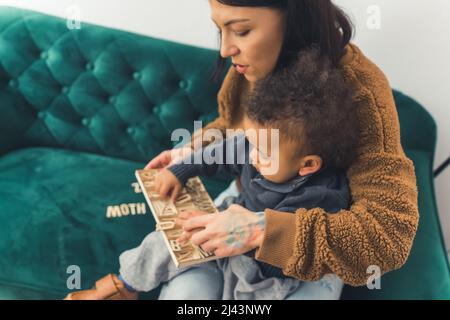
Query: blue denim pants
column 185, row 285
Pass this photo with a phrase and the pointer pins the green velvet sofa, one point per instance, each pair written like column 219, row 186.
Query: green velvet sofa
column 81, row 110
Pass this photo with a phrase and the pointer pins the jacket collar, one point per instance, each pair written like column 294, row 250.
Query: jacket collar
column 289, row 186
column 286, row 187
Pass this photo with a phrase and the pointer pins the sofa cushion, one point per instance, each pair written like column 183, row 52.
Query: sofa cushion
column 54, row 215
column 61, row 208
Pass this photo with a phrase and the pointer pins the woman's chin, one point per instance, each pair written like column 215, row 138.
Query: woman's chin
column 249, row 77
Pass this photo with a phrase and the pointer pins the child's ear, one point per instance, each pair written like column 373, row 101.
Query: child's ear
column 310, row 165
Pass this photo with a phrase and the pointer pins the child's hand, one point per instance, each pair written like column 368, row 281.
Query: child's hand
column 169, row 157
column 166, row 184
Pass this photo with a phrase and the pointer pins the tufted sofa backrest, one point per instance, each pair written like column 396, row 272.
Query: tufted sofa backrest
column 97, row 89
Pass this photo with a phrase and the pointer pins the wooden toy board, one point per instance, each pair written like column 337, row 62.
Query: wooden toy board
column 193, row 196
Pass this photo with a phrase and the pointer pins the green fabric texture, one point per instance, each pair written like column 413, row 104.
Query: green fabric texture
column 80, row 110
column 62, row 208
column 54, row 215
column 96, row 89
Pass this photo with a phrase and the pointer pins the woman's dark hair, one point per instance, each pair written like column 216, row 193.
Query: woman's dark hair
column 309, row 23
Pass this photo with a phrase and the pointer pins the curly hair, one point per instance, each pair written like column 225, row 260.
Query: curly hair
column 311, row 105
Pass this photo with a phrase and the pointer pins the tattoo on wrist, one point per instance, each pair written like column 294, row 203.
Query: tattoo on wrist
column 239, row 235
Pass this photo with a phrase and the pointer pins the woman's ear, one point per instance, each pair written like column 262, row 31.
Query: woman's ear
column 310, row 165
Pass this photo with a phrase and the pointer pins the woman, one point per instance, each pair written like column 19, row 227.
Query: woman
column 260, row 36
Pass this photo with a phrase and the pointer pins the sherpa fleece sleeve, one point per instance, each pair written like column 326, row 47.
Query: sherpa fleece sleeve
column 381, row 224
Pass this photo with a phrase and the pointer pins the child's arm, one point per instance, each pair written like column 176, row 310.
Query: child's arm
column 204, row 162
column 229, row 155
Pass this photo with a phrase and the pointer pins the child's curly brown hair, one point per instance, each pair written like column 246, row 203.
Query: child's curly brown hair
column 311, row 105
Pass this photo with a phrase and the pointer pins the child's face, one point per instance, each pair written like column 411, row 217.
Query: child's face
column 274, row 157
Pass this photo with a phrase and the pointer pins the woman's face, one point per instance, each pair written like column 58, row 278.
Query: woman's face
column 252, row 37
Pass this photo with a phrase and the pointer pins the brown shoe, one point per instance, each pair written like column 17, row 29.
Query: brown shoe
column 107, row 288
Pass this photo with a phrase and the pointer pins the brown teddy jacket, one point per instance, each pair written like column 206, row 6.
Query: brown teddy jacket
column 381, row 224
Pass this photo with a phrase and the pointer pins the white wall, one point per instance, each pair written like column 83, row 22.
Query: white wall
column 412, row 46
column 178, row 20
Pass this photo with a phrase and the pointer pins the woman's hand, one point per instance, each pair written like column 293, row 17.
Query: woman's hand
column 168, row 157
column 232, row 232
column 167, row 184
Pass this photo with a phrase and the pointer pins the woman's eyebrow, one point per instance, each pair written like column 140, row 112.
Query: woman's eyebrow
column 230, row 22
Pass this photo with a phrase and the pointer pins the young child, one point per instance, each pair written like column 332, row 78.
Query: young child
column 312, row 109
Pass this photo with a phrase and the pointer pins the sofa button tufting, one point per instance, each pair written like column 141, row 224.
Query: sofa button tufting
column 89, row 66
column 41, row 114
column 13, row 83
column 44, row 55
column 112, row 100
column 130, row 130
column 64, row 90
column 183, row 84
column 85, row 122
column 156, row 110
column 137, row 75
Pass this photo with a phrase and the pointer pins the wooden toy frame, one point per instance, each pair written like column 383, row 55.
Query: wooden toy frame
column 193, row 197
